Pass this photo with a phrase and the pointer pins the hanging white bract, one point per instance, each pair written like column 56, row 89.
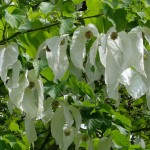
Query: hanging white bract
column 8, row 56
column 56, row 54
column 78, row 45
column 112, row 58
column 62, row 125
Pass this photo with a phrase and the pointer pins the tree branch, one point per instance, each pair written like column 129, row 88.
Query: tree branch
column 41, row 28
column 88, row 17
column 31, row 30
column 139, row 130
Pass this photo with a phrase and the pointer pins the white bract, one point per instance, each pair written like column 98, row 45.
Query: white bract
column 8, row 56
column 93, row 75
column 14, row 79
column 48, row 112
column 118, row 52
column 61, row 125
column 35, row 97
column 30, row 130
column 27, row 94
column 78, row 45
column 133, row 82
column 122, row 56
column 56, row 54
column 16, row 94
column 112, row 59
column 133, row 50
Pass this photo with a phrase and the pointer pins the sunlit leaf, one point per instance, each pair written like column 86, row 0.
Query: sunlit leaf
column 122, row 140
column 14, row 126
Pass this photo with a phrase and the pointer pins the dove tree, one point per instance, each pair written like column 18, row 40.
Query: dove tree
column 75, row 74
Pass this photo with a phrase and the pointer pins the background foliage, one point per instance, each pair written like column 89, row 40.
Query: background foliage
column 104, row 126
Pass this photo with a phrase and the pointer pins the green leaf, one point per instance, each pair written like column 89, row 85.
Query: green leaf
column 31, row 42
column 68, row 11
column 112, row 3
column 147, row 3
column 124, row 120
column 118, row 20
column 86, row 89
column 14, row 126
column 11, row 19
column 14, row 18
column 4, row 145
column 66, row 25
column 78, row 1
column 135, row 147
column 99, row 121
column 119, row 139
column 53, row 89
column 93, row 124
column 94, row 6
column 25, row 26
column 16, row 146
column 47, row 73
column 10, row 138
column 104, row 143
column 46, row 7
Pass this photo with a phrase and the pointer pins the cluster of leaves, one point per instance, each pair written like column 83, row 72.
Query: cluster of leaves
column 74, row 74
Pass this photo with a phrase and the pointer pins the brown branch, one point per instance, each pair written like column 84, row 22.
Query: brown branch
column 31, row 30
column 41, row 28
column 88, row 17
column 139, row 130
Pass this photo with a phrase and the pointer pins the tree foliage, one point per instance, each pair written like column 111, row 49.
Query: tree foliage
column 74, row 74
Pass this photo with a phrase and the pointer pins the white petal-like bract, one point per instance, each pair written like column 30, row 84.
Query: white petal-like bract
column 78, row 44
column 8, row 56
